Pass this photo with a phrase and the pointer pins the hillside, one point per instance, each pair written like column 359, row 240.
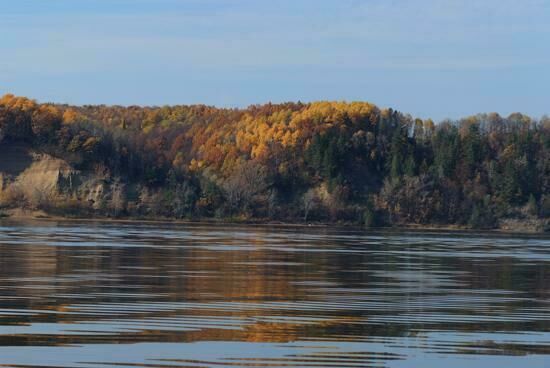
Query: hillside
column 322, row 162
column 15, row 158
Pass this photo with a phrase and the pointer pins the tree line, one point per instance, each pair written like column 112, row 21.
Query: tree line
column 321, row 161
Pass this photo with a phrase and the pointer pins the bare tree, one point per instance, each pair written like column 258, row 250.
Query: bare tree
column 271, row 202
column 184, row 197
column 247, row 181
column 144, row 200
column 309, row 201
column 118, row 198
column 40, row 198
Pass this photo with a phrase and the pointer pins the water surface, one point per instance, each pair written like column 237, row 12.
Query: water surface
column 142, row 295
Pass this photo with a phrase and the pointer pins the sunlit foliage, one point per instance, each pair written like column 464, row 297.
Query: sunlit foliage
column 326, row 161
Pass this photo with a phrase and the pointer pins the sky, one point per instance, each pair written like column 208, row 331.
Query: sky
column 430, row 58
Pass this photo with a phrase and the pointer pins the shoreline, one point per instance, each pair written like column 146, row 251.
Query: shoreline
column 28, row 215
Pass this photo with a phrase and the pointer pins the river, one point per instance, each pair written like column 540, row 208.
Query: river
column 99, row 294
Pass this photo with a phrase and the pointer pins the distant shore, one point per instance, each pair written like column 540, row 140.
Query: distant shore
column 512, row 226
column 324, row 163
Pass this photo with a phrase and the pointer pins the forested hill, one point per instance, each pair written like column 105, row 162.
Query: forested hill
column 314, row 162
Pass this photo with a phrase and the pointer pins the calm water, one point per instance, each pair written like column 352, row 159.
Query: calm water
column 99, row 295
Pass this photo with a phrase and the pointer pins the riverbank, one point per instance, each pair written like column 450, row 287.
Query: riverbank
column 512, row 226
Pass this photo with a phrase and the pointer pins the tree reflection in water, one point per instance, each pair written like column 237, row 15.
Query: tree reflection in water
column 306, row 297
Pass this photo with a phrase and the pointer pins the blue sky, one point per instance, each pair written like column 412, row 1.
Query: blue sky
column 430, row 58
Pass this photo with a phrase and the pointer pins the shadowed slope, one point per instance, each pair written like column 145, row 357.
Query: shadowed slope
column 14, row 158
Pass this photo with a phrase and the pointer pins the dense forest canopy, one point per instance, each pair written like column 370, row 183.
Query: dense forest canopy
column 321, row 161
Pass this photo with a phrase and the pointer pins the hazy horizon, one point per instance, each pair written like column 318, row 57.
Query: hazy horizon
column 432, row 59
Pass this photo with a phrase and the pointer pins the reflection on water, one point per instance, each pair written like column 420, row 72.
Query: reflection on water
column 97, row 295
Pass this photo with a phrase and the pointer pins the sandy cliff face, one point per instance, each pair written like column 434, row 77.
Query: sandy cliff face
column 34, row 180
column 47, row 174
column 33, row 172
